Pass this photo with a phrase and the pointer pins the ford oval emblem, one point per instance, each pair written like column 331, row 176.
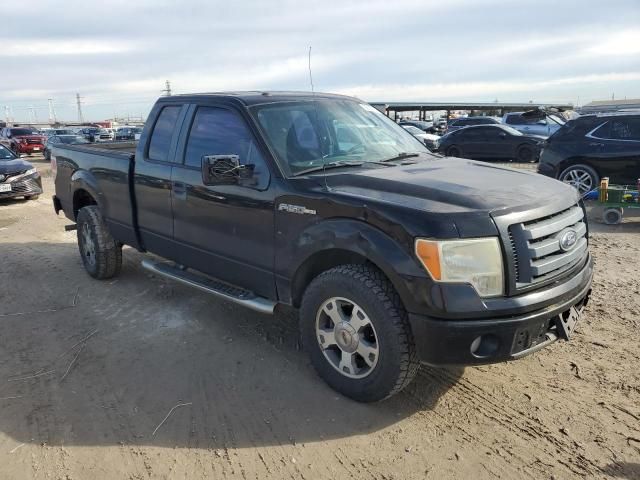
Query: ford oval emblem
column 568, row 240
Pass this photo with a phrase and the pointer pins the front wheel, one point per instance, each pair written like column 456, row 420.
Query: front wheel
column 101, row 254
column 454, row 152
column 582, row 177
column 356, row 332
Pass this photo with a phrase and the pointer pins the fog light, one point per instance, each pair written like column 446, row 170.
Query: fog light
column 485, row 346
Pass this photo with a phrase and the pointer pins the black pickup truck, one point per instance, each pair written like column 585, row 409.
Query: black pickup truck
column 392, row 254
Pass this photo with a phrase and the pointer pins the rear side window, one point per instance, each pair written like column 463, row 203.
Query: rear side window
column 162, row 133
column 514, row 120
column 619, row 129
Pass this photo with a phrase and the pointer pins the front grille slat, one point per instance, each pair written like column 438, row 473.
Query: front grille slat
column 535, row 246
column 554, row 262
column 538, row 229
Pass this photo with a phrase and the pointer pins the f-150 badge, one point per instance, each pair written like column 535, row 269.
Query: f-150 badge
column 299, row 209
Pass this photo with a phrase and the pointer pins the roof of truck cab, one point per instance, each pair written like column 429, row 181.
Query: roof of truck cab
column 251, row 98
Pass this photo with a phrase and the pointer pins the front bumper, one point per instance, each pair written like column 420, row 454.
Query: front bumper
column 23, row 187
column 29, row 147
column 474, row 342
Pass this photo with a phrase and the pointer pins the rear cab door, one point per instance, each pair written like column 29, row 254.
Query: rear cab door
column 155, row 157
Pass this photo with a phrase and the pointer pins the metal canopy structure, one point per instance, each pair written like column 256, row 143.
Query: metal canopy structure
column 390, row 108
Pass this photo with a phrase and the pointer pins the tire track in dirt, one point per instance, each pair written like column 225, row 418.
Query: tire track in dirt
column 517, row 422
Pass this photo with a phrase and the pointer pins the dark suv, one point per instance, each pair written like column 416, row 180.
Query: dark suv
column 591, row 147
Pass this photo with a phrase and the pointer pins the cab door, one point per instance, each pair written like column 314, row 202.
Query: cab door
column 152, row 179
column 225, row 230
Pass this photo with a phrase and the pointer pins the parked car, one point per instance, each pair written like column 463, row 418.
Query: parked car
column 458, row 123
column 71, row 139
column 425, row 126
column 545, row 126
column 392, row 255
column 127, row 133
column 429, row 139
column 95, row 134
column 440, row 126
column 18, row 178
column 58, row 131
column 22, row 140
column 491, row 142
column 591, row 147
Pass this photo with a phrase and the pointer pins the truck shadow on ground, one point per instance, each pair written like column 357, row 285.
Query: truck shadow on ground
column 87, row 362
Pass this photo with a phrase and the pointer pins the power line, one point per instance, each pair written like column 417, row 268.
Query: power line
column 79, row 103
column 52, row 112
column 167, row 89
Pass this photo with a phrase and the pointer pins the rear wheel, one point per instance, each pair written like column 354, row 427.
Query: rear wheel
column 355, row 330
column 582, row 177
column 101, row 254
column 525, row 154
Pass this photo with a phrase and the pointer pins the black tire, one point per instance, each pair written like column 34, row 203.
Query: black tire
column 525, row 154
column 612, row 216
column 397, row 361
column 32, row 197
column 101, row 254
column 454, row 151
column 572, row 174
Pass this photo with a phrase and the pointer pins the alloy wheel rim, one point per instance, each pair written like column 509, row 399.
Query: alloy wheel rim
column 88, row 247
column 579, row 179
column 347, row 338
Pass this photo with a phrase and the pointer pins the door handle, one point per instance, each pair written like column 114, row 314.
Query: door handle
column 179, row 190
column 595, row 144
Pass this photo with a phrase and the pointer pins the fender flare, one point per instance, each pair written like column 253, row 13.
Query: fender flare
column 364, row 240
column 84, row 180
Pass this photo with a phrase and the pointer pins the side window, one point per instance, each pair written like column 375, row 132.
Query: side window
column 162, row 133
column 474, row 134
column 217, row 131
column 625, row 129
column 514, row 120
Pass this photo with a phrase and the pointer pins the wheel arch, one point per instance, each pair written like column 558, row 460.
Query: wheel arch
column 85, row 191
column 344, row 241
column 576, row 160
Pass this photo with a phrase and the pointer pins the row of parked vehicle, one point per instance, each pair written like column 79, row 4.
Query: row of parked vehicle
column 580, row 151
column 29, row 140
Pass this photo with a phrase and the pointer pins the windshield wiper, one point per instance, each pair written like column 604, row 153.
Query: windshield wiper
column 337, row 164
column 402, row 156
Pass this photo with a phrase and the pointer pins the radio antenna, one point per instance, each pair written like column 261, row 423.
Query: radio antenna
column 310, row 75
column 317, row 126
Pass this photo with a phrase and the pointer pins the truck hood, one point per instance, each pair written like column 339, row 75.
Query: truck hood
column 450, row 185
column 14, row 166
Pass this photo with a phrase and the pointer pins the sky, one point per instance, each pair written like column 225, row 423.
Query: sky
column 118, row 54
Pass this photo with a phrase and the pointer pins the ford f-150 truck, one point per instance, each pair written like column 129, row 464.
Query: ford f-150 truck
column 393, row 255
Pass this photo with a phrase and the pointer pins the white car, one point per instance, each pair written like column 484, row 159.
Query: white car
column 429, row 139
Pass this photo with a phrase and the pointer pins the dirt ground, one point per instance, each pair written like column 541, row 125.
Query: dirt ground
column 90, row 372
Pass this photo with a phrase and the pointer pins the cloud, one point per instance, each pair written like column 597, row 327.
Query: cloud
column 117, row 54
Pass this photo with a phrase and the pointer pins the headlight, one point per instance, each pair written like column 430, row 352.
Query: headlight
column 31, row 171
column 477, row 262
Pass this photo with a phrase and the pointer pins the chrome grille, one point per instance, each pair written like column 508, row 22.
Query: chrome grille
column 536, row 244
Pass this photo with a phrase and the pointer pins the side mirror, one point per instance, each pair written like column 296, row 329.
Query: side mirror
column 503, row 135
column 224, row 169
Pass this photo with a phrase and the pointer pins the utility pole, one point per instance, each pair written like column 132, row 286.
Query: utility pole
column 32, row 115
column 79, row 103
column 167, row 88
column 6, row 114
column 52, row 112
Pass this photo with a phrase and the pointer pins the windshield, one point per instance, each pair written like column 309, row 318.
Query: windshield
column 6, row 154
column 511, row 130
column 23, row 131
column 413, row 130
column 310, row 134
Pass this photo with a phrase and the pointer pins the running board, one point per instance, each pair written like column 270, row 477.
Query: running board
column 214, row 287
